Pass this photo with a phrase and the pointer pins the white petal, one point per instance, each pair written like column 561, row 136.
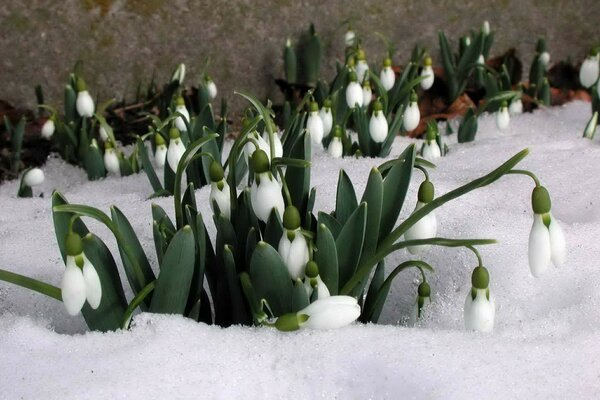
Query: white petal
column 378, row 127
column 327, row 119
column 111, row 161
column 276, row 141
column 84, row 104
column 424, row 228
column 539, row 247
column 73, row 287
column 362, row 68
column 387, row 78
column 33, row 177
column 349, row 38
column 48, row 129
column 589, row 71
column 265, row 197
column 211, row 88
column 367, row 96
column 103, row 133
column 336, row 148
column 93, row 288
column 430, row 77
column 322, row 289
column 411, row 117
column 502, row 118
column 479, row 314
column 160, row 156
column 354, row 95
column 295, row 255
column 331, row 312
column 222, row 198
column 557, row 243
column 174, row 153
column 435, row 150
column 515, row 107
column 314, row 125
column 179, row 121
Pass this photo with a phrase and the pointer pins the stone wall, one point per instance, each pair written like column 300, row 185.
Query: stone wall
column 125, row 42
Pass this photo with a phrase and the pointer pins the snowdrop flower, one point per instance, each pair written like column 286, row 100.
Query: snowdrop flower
column 387, row 76
column 480, row 308
column 103, row 133
column 546, row 239
column 336, row 148
column 111, row 160
column 220, row 194
column 175, row 150
column 160, row 155
column 354, row 94
column 481, row 60
column 590, row 128
column 314, row 124
column 516, row 106
column 329, row 313
column 427, row 72
column 250, row 147
column 84, row 103
column 293, row 247
column 367, row 93
column 326, row 117
column 412, row 116
column 485, row 28
column 362, row 68
column 80, row 281
column 48, row 128
column 378, row 126
column 180, row 121
column 502, row 117
column 33, row 177
column 265, row 193
column 590, row 69
column 545, row 58
column 211, row 88
column 423, row 300
column 276, row 142
column 350, row 37
column 179, row 74
column 313, row 281
column 426, row 227
column 431, row 150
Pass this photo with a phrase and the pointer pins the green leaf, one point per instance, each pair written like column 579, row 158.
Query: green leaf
column 173, row 284
column 361, row 124
column 373, row 196
column 299, row 296
column 368, row 313
column 327, row 259
column 345, row 201
column 298, row 179
column 94, row 164
column 349, row 243
column 468, row 127
column 273, row 229
column 148, row 168
column 31, row 284
column 136, row 302
column 395, row 187
column 331, row 223
column 270, row 279
column 239, row 314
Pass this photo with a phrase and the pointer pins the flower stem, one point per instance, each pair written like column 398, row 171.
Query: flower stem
column 527, row 173
column 474, row 250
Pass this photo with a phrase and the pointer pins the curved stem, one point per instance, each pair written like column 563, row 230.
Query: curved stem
column 137, row 300
column 474, row 250
column 424, row 170
column 527, row 173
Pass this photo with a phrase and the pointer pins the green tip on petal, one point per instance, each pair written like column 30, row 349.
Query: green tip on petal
column 540, row 200
column 327, row 103
column 426, row 192
column 377, row 106
column 337, row 131
column 291, row 218
column 480, row 278
column 260, row 161
column 290, row 322
column 427, row 62
column 159, row 140
column 314, row 106
column 351, row 62
column 360, row 55
column 431, row 131
column 108, row 145
column 180, row 101
column 312, row 269
column 424, row 290
column 387, row 62
column 216, row 172
column 174, row 133
column 504, row 104
column 413, row 97
column 352, row 77
column 594, row 51
column 74, row 246
column 81, row 85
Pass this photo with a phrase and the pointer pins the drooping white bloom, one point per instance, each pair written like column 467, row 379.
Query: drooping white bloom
column 211, row 88
column 349, row 38
column 180, row 121
column 590, row 70
column 222, row 197
column 479, row 312
column 485, row 28
column 426, row 227
column 265, row 192
column 179, row 74
column 175, row 150
column 431, row 150
column 326, row 117
column 336, row 148
column 160, row 155
column 314, row 124
column 422, row 301
column 387, row 76
column 84, row 104
column 354, row 94
column 276, row 141
column 545, row 58
column 48, row 128
column 427, row 72
column 103, row 134
column 73, row 287
column 412, row 115
column 516, row 106
column 367, row 93
column 111, row 160
column 481, row 60
column 330, row 312
column 361, row 68
column 250, row 148
column 378, row 125
column 294, row 252
column 33, row 177
column 502, row 117
column 93, row 288
column 319, row 286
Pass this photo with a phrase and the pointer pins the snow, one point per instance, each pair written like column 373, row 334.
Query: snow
column 545, row 344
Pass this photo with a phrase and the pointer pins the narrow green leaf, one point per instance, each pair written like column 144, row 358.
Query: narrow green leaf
column 368, row 314
column 345, row 201
column 334, row 226
column 327, row 259
column 239, row 313
column 148, row 168
column 349, row 243
column 31, row 284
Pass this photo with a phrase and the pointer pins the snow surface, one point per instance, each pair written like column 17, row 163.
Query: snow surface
column 546, row 343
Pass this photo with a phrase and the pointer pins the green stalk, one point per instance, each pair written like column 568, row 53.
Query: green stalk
column 135, row 302
column 31, row 284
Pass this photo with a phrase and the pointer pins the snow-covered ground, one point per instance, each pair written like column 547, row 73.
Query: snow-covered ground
column 546, row 343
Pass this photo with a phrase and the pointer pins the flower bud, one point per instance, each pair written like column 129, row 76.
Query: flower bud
column 326, row 117
column 354, row 94
column 314, row 124
column 502, row 117
column 48, row 128
column 33, row 177
column 378, row 125
column 427, row 72
column 412, row 115
column 330, row 313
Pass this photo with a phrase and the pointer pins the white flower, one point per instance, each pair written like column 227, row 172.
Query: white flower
column 103, row 133
column 160, row 155
column 367, row 93
column 502, row 117
column 73, row 287
column 250, row 148
column 515, row 107
column 336, row 148
column 378, row 126
column 326, row 118
column 485, row 28
column 211, row 89
column 481, row 60
column 221, row 197
column 361, row 68
column 314, row 124
column 84, row 104
column 320, row 286
column 175, row 150
column 387, row 76
column 545, row 58
column 48, row 128
column 93, row 288
column 184, row 117
column 179, row 74
column 354, row 94
column 424, row 228
column 276, row 141
column 427, row 72
column 111, row 160
column 589, row 71
column 33, row 177
column 479, row 312
column 349, row 38
column 431, row 151
column 412, row 115
column 294, row 252
column 265, row 195
column 422, row 301
column 330, row 313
